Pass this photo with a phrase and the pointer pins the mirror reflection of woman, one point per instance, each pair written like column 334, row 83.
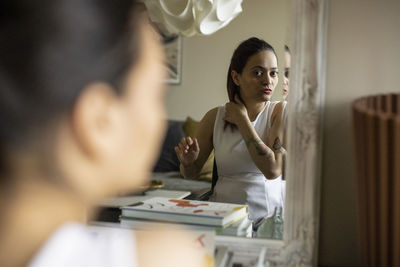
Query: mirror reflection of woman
column 246, row 135
column 286, row 89
column 82, row 118
column 286, row 73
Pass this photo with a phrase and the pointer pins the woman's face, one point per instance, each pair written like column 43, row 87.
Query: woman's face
column 286, row 76
column 259, row 77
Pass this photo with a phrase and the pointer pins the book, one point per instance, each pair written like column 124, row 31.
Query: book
column 186, row 211
column 242, row 227
column 116, row 202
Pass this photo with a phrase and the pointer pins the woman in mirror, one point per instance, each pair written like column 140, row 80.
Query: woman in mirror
column 82, row 118
column 286, row 73
column 246, row 135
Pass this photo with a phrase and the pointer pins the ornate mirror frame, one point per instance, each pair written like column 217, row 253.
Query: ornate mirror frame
column 307, row 36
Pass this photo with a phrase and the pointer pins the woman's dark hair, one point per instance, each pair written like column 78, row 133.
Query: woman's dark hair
column 287, row 49
column 239, row 59
column 50, row 50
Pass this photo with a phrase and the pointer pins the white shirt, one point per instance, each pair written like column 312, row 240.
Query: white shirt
column 78, row 245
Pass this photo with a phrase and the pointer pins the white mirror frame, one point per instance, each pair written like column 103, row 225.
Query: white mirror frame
column 307, row 35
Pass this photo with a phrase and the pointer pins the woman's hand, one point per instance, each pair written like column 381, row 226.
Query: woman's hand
column 235, row 112
column 187, row 150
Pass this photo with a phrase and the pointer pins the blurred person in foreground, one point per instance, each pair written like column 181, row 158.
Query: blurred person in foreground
column 81, row 118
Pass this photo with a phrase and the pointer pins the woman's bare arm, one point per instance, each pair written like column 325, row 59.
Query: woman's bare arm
column 267, row 156
column 204, row 142
column 275, row 138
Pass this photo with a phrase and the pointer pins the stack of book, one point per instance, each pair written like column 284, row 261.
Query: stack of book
column 223, row 218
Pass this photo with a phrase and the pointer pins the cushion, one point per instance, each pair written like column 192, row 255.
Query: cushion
column 168, row 160
column 190, row 128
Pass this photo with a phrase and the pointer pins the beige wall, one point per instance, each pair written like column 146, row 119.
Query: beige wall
column 205, row 59
column 363, row 58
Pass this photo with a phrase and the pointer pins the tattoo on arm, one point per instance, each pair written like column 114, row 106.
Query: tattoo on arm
column 259, row 145
column 277, row 145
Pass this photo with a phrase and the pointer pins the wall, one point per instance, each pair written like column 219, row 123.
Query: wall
column 205, row 59
column 363, row 58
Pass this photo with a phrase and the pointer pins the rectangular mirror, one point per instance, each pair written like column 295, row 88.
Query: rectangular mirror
column 204, row 65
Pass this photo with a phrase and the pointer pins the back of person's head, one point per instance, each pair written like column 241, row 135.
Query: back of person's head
column 239, row 59
column 51, row 52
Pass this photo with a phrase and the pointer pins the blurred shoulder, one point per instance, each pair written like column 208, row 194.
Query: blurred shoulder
column 173, row 247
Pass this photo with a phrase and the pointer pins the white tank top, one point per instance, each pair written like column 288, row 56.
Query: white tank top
column 239, row 179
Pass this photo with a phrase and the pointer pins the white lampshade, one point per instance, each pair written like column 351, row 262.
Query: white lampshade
column 190, row 17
